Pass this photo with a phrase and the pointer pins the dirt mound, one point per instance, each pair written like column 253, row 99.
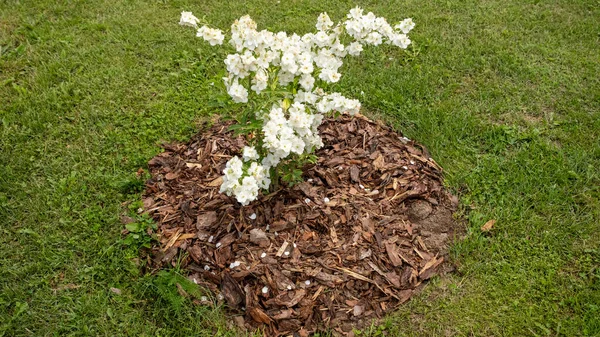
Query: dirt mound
column 370, row 223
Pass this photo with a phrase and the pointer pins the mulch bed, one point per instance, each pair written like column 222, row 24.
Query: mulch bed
column 368, row 226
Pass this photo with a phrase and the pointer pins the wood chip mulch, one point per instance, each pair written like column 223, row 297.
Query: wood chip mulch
column 368, row 226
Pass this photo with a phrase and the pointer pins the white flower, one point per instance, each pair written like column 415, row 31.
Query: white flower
column 324, row 22
column 265, row 290
column 187, row 19
column 247, row 191
column 321, row 39
column 354, row 29
column 238, row 92
column 234, row 64
column 271, row 160
column 261, row 174
column 352, row 106
column 307, row 82
column 355, row 13
column 252, row 216
column 334, row 77
column 233, row 168
column 260, row 81
column 287, row 58
column 323, row 106
column 401, row 40
column 330, row 75
column 310, row 98
column 248, row 60
column 250, row 153
column 212, row 36
column 285, row 146
column 298, row 146
column 338, row 49
column 354, row 48
column 374, row 38
column 306, row 68
column 406, row 25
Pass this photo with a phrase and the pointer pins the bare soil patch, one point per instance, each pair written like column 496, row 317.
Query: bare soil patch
column 367, row 228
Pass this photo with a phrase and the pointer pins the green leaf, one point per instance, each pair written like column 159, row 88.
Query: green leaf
column 133, row 227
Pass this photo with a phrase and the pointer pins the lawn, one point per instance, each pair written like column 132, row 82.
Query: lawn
column 505, row 95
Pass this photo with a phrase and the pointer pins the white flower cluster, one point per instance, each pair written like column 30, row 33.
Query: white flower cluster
column 297, row 64
column 298, row 132
column 213, row 36
column 246, row 178
column 370, row 29
column 188, row 19
column 283, row 135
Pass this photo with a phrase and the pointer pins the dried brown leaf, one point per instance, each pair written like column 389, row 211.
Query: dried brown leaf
column 354, row 173
column 171, row 176
column 283, row 314
column 379, row 162
column 216, row 182
column 392, row 252
column 259, row 316
column 428, row 270
column 231, row 290
column 206, row 220
column 193, row 165
column 488, row 226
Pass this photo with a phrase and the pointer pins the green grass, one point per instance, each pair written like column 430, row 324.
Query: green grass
column 505, row 94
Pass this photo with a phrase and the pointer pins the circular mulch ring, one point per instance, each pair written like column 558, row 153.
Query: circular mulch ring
column 364, row 231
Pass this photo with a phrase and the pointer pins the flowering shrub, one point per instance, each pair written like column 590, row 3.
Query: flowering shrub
column 282, row 78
